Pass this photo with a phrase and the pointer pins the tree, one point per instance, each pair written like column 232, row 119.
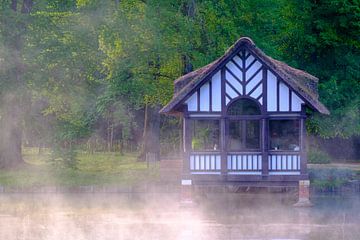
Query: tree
column 323, row 37
column 14, row 95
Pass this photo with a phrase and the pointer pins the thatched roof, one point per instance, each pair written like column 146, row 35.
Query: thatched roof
column 302, row 82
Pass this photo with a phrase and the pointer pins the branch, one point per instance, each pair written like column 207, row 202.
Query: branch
column 13, row 5
column 27, row 6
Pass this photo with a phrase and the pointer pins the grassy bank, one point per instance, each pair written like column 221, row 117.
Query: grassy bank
column 113, row 169
column 93, row 169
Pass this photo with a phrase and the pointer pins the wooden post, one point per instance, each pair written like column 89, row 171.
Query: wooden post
column 265, row 147
column 223, row 148
column 223, row 130
column 186, row 182
column 187, row 145
column 303, row 155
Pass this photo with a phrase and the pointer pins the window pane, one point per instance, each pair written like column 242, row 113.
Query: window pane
column 253, row 134
column 244, row 135
column 235, row 140
column 284, row 135
column 205, row 134
column 244, row 107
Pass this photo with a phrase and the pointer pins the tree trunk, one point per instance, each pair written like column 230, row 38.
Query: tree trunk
column 11, row 133
column 187, row 66
column 151, row 133
column 26, row 6
column 13, row 5
column 144, row 144
column 12, row 103
column 112, row 137
column 108, row 135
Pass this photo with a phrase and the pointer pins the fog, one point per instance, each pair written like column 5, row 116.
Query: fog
column 66, row 73
column 161, row 216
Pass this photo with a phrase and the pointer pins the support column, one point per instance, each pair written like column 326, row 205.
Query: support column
column 223, row 128
column 186, row 181
column 265, row 148
column 223, row 148
column 303, row 151
column 304, row 194
column 303, row 140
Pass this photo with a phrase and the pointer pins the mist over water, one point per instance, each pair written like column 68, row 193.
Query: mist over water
column 160, row 216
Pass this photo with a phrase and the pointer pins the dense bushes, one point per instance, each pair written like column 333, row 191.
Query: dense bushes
column 330, row 179
column 318, row 156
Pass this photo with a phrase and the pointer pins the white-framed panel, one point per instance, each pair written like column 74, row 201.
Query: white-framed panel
column 233, row 81
column 250, row 85
column 216, row 92
column 205, row 97
column 234, row 69
column 296, row 102
column 258, row 91
column 249, row 60
column 230, row 91
column 227, row 100
column 252, row 70
column 271, row 91
column 238, row 61
column 283, row 98
column 192, row 102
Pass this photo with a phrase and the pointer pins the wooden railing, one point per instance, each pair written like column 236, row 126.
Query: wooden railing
column 244, row 162
column 205, row 162
column 284, row 162
column 279, row 163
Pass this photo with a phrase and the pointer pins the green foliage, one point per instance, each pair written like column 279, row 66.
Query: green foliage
column 196, row 143
column 93, row 62
column 322, row 37
column 330, row 179
column 64, row 157
column 318, row 156
column 170, row 136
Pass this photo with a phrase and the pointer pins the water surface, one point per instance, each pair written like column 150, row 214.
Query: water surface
column 160, row 216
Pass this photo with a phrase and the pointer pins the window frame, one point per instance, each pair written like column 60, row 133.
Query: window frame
column 244, row 119
column 283, row 118
column 191, row 119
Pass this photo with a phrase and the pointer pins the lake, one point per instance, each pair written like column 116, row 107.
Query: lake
column 160, row 216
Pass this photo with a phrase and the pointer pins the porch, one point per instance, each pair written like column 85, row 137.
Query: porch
column 246, row 168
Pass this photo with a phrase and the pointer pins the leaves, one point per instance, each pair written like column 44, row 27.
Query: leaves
column 92, row 61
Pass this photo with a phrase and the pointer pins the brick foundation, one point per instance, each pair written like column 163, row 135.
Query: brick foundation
column 186, row 192
column 304, row 194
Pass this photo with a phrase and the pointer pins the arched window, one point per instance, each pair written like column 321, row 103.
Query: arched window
column 244, row 106
column 243, row 133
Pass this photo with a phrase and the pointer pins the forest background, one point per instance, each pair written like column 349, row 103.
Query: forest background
column 91, row 75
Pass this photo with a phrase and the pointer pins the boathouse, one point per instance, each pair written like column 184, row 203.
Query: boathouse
column 244, row 119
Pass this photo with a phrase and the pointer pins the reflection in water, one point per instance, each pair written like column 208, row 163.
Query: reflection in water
column 149, row 216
